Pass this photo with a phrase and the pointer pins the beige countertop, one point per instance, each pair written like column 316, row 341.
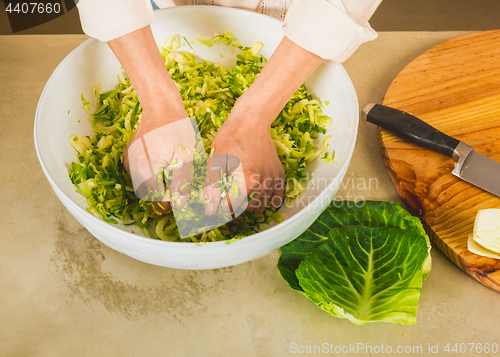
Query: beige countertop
column 63, row 293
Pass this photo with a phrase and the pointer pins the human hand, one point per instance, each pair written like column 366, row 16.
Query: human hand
column 262, row 173
column 161, row 150
column 245, row 134
column 164, row 127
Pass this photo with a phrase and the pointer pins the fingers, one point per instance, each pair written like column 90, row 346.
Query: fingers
column 140, row 171
column 236, row 200
column 149, row 191
column 213, row 186
column 169, row 148
column 212, row 198
column 259, row 200
column 181, row 181
column 226, row 184
column 268, row 190
column 276, row 197
column 254, row 203
column 160, row 208
column 268, row 184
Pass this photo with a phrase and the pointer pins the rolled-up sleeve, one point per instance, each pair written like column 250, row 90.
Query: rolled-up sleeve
column 109, row 19
column 331, row 29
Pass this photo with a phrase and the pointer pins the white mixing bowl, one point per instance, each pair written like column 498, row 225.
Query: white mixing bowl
column 60, row 109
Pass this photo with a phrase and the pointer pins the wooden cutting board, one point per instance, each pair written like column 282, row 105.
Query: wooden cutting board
column 455, row 87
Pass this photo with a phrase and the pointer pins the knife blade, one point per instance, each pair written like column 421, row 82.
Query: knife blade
column 471, row 166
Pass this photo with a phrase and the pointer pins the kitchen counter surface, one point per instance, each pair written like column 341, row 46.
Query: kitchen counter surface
column 63, row 293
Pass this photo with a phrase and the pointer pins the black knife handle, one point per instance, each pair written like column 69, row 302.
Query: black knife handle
column 411, row 128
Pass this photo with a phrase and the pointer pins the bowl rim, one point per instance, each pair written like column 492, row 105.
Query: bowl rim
column 249, row 239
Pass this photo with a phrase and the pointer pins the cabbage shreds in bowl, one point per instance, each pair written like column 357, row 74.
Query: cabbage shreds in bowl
column 208, row 91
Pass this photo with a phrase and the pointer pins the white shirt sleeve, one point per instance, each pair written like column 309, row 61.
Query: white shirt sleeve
column 109, row 19
column 331, row 29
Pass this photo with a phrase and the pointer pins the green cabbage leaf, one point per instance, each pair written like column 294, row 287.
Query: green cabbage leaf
column 363, row 263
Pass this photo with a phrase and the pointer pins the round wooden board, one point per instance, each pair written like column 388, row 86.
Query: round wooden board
column 455, row 87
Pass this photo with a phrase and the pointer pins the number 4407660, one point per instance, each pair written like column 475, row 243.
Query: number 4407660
column 34, row 8
column 471, row 347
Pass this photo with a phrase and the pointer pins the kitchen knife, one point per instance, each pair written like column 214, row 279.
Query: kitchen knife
column 470, row 166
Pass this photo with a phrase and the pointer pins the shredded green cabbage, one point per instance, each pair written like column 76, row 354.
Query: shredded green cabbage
column 209, row 91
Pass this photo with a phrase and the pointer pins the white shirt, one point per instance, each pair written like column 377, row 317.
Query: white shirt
column 331, row 29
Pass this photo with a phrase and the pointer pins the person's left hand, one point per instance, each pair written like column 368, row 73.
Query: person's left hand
column 245, row 136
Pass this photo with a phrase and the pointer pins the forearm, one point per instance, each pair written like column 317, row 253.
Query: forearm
column 287, row 69
column 141, row 60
